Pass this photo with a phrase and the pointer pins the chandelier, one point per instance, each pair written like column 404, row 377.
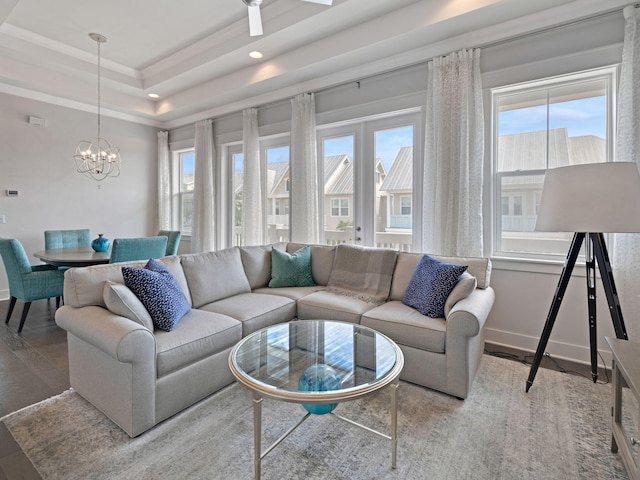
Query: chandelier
column 98, row 159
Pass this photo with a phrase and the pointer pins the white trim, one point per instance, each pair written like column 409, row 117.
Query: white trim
column 557, row 350
column 84, row 107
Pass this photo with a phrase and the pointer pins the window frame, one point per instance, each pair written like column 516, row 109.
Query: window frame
column 177, row 192
column 609, row 75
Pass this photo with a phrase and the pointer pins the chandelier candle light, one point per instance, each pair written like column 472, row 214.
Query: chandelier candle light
column 98, row 159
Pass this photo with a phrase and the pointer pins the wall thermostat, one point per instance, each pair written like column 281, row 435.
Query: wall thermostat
column 12, row 193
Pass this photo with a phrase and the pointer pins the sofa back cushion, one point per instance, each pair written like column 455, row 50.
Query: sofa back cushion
column 321, row 260
column 84, row 286
column 256, row 260
column 478, row 267
column 212, row 276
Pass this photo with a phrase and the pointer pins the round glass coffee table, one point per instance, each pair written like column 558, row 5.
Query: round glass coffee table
column 317, row 363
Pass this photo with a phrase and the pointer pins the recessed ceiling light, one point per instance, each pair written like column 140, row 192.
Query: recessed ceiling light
column 255, row 54
column 154, row 95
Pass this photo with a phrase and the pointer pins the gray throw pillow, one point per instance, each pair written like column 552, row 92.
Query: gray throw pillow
column 122, row 301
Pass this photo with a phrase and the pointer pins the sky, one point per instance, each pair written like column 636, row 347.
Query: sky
column 581, row 117
column 387, row 144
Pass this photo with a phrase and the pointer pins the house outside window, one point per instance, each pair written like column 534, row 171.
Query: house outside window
column 555, row 122
column 405, row 205
column 339, row 207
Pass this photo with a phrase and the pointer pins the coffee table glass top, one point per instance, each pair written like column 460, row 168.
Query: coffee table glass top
column 273, row 359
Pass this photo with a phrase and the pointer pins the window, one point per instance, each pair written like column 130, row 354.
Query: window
column 369, row 162
column 184, row 189
column 275, row 156
column 339, row 207
column 405, row 205
column 277, row 188
column 538, row 126
column 235, row 157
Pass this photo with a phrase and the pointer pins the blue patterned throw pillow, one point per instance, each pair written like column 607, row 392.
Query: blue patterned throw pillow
column 291, row 270
column 430, row 285
column 159, row 292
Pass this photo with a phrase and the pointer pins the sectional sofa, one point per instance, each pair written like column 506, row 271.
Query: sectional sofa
column 139, row 375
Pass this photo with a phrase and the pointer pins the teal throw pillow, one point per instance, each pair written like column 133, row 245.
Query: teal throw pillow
column 291, row 270
column 159, row 292
column 430, row 285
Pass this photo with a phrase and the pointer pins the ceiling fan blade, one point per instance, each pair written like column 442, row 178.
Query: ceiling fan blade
column 255, row 21
column 321, row 2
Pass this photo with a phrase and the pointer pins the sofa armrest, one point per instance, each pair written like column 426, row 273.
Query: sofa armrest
column 468, row 316
column 119, row 337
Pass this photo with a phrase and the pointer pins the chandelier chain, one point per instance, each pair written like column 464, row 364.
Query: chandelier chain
column 98, row 159
column 99, row 89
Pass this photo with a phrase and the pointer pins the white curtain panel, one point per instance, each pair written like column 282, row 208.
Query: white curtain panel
column 252, row 198
column 203, row 227
column 454, row 153
column 164, row 183
column 626, row 257
column 305, row 217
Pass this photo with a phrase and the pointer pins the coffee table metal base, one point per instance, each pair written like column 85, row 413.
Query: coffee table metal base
column 257, row 429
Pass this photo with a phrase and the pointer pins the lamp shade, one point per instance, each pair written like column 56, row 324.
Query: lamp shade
column 593, row 197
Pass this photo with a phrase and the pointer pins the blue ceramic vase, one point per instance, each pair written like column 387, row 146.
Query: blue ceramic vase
column 100, row 244
column 319, row 378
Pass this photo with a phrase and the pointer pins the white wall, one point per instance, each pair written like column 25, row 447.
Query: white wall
column 38, row 161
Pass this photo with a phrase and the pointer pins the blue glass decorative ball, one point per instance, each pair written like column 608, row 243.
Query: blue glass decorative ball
column 319, row 378
column 100, row 244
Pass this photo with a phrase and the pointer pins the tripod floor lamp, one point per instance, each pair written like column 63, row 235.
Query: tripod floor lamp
column 589, row 200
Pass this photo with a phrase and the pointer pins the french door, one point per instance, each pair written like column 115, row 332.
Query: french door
column 368, row 170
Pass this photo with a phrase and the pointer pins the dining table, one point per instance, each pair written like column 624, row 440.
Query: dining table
column 73, row 256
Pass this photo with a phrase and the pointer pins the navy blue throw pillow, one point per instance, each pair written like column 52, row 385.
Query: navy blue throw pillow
column 159, row 292
column 430, row 285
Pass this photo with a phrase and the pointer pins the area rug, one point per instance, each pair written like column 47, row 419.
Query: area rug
column 559, row 430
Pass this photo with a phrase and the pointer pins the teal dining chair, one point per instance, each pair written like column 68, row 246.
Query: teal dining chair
column 26, row 282
column 67, row 238
column 143, row 248
column 173, row 240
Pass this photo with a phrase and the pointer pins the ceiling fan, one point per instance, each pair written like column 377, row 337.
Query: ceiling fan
column 255, row 20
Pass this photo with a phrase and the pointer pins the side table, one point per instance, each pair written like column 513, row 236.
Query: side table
column 624, row 424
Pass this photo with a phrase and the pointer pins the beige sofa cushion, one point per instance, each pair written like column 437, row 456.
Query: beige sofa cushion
column 321, row 260
column 478, row 267
column 407, row 326
column 212, row 276
column 255, row 310
column 294, row 293
column 324, row 305
column 256, row 260
column 197, row 335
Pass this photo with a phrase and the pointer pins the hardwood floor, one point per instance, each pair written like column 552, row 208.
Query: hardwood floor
column 34, row 366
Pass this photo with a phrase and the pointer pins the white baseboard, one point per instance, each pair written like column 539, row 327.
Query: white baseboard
column 559, row 350
column 4, row 294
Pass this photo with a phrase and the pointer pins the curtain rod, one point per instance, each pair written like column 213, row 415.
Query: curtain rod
column 551, row 29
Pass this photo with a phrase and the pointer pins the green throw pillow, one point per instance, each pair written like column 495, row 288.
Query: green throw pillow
column 291, row 270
